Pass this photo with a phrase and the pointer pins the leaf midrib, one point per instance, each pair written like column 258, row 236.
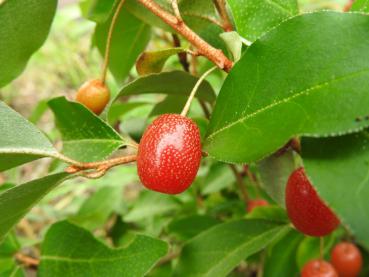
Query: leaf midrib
column 286, row 100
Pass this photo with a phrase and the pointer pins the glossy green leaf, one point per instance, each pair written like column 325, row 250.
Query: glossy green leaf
column 199, row 15
column 95, row 211
column 86, row 137
column 23, row 29
column 218, row 250
column 151, row 204
column 307, row 76
column 219, row 177
column 175, row 83
column 338, row 169
column 170, row 104
column 190, row 226
column 118, row 110
column 20, row 141
column 16, row 202
column 97, row 10
column 154, row 61
column 171, row 83
column 130, row 38
column 234, row 44
column 274, row 173
column 360, row 6
column 253, row 18
column 309, row 249
column 72, row 251
column 280, row 260
column 271, row 213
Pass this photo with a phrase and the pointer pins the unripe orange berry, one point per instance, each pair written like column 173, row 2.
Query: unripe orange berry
column 94, row 95
column 346, row 259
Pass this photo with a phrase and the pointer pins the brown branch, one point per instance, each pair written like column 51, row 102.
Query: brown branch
column 205, row 49
column 26, row 260
column 240, row 184
column 182, row 56
column 222, row 10
column 98, row 168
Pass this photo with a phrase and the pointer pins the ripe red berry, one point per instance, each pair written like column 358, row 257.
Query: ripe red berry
column 252, row 204
column 169, row 154
column 318, row 268
column 305, row 209
column 346, row 259
column 94, row 95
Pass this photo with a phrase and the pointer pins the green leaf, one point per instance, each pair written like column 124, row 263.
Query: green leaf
column 151, row 204
column 218, row 178
column 338, row 169
column 97, row 10
column 198, row 15
column 23, row 29
column 271, row 213
column 280, row 261
column 119, row 109
column 190, row 226
column 170, row 104
column 309, row 249
column 174, row 83
column 234, row 44
column 307, row 76
column 86, row 137
column 130, row 38
column 218, row 250
column 171, row 83
column 153, row 61
column 20, row 141
column 274, row 173
column 96, row 210
column 72, row 251
column 360, row 6
column 16, row 202
column 253, row 18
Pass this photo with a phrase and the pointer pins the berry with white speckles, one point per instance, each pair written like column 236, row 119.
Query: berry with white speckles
column 169, row 154
column 306, row 210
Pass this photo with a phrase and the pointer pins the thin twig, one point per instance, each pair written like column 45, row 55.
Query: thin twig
column 205, row 49
column 222, row 10
column 240, row 183
column 321, row 248
column 194, row 90
column 108, row 41
column 176, row 10
column 181, row 56
column 98, row 168
column 26, row 260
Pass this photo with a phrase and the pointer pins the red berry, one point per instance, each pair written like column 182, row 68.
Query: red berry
column 305, row 209
column 318, row 268
column 252, row 204
column 169, row 154
column 94, row 95
column 346, row 259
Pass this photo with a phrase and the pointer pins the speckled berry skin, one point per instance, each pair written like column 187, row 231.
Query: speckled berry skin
column 94, row 95
column 318, row 268
column 169, row 154
column 305, row 209
column 252, row 204
column 346, row 259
